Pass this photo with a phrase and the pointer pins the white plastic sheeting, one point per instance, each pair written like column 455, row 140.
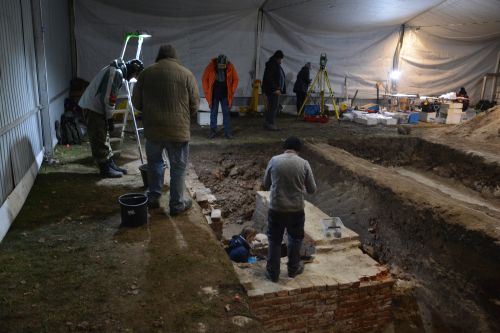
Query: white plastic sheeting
column 361, row 56
column 450, row 47
column 199, row 37
column 447, row 43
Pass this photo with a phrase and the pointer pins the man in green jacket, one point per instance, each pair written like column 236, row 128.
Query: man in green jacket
column 167, row 94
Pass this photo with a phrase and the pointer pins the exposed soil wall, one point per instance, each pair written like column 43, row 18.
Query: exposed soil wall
column 458, row 270
column 234, row 176
column 470, row 170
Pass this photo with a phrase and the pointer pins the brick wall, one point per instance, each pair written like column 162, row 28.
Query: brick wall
column 347, row 308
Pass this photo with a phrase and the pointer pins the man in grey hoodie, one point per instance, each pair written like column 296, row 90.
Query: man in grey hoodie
column 287, row 176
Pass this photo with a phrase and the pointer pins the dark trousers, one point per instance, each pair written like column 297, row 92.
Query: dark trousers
column 272, row 109
column 98, row 136
column 293, row 222
column 301, row 97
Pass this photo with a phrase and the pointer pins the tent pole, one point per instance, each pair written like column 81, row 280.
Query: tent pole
column 395, row 59
column 41, row 68
column 258, row 43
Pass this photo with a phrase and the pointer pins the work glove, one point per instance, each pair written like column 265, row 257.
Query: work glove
column 110, row 124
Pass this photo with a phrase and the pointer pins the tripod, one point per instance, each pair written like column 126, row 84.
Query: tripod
column 321, row 80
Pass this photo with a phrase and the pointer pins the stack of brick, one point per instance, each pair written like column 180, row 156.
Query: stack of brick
column 322, row 304
column 207, row 201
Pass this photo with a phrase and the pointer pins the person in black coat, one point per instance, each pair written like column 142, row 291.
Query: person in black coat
column 302, row 85
column 273, row 85
column 463, row 98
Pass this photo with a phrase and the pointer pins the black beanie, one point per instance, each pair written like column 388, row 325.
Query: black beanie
column 292, row 142
column 278, row 54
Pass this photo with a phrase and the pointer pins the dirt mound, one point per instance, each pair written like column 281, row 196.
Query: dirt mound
column 483, row 127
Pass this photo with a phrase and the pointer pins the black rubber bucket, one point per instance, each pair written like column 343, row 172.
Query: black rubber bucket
column 134, row 209
column 144, row 174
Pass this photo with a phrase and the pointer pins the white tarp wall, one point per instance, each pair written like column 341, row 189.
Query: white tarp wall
column 358, row 36
column 452, row 46
column 361, row 56
column 55, row 20
column 205, row 31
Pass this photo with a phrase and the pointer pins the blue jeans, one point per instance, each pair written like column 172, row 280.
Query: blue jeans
column 178, row 154
column 225, row 114
column 293, row 222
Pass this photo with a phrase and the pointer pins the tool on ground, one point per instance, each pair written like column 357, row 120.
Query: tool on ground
column 321, row 80
column 129, row 86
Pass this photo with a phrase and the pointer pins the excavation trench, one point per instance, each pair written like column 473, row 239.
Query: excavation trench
column 443, row 251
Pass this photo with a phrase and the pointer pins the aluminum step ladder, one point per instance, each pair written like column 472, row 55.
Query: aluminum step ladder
column 129, row 111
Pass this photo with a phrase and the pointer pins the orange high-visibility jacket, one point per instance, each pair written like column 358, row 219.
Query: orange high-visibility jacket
column 208, row 80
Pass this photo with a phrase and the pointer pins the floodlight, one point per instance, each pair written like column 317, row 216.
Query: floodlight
column 138, row 34
column 395, row 75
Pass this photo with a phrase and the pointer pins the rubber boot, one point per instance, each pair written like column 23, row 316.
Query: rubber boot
column 113, row 166
column 106, row 171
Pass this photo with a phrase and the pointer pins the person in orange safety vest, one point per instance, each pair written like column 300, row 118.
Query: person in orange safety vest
column 219, row 85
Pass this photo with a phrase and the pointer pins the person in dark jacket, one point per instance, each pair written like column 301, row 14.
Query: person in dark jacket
column 302, row 85
column 239, row 245
column 273, row 85
column 464, row 98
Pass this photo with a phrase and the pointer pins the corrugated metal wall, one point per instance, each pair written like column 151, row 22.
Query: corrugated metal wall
column 20, row 131
column 58, row 54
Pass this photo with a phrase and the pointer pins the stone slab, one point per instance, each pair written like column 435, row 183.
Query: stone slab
column 312, row 227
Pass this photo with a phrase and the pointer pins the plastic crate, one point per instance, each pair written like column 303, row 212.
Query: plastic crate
column 311, row 110
column 413, row 118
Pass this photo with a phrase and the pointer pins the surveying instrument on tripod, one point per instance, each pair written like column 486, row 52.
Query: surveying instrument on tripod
column 322, row 81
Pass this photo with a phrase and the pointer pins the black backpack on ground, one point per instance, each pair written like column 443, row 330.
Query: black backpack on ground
column 69, row 132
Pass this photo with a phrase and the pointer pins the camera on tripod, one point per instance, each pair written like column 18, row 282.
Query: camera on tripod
column 322, row 60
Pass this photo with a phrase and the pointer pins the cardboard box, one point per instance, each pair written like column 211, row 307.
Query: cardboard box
column 366, row 121
column 428, row 117
column 389, row 121
column 451, row 108
column 453, row 118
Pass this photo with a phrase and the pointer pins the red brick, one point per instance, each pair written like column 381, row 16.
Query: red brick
column 282, row 293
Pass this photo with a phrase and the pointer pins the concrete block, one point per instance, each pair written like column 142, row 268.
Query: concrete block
column 203, row 118
column 216, row 215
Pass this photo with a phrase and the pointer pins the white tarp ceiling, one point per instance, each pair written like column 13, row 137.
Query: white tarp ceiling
column 447, row 43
